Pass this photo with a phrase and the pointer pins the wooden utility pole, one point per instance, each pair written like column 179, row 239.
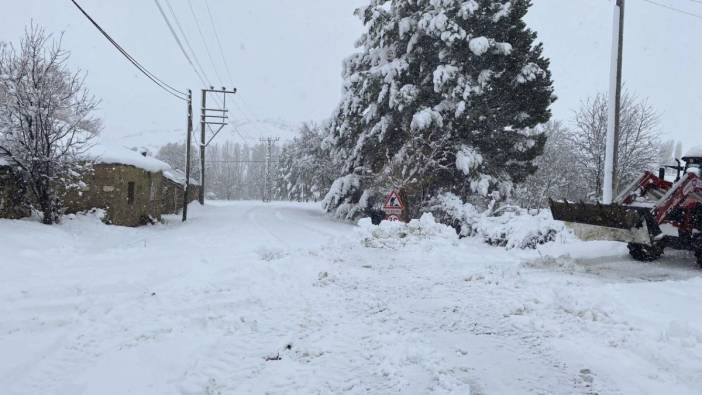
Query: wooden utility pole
column 189, row 128
column 615, row 95
column 220, row 114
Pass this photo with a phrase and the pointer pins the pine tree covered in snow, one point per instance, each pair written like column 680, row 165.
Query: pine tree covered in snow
column 305, row 169
column 438, row 100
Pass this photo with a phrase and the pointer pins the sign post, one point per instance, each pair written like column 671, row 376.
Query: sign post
column 393, row 207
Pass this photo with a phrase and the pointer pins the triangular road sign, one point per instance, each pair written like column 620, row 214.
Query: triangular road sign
column 393, row 201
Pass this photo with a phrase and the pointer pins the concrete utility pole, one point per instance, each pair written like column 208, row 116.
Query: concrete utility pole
column 268, row 184
column 220, row 115
column 615, row 95
column 189, row 128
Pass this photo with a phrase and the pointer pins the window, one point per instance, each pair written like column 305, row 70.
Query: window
column 130, row 193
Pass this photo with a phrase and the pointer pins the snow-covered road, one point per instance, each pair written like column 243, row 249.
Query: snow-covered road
column 254, row 298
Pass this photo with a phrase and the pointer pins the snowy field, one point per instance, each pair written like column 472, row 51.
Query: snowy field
column 255, row 298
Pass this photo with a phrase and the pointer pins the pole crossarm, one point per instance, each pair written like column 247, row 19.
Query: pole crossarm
column 210, row 117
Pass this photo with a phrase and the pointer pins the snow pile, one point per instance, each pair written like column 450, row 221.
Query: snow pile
column 510, row 228
column 520, row 229
column 394, row 235
column 107, row 154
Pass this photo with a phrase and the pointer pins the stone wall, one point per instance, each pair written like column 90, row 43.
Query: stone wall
column 129, row 195
column 172, row 196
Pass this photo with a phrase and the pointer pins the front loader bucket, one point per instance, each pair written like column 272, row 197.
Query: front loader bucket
column 608, row 222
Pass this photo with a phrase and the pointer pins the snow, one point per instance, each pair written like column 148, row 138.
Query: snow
column 112, row 154
column 694, row 152
column 4, row 162
column 468, row 159
column 479, row 45
column 277, row 298
column 425, row 118
column 178, row 176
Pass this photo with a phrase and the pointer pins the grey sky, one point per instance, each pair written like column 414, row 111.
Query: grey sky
column 285, row 56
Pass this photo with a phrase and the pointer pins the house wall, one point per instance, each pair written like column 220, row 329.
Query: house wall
column 172, row 196
column 10, row 191
column 108, row 188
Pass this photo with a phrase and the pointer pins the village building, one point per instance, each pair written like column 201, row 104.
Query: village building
column 173, row 189
column 11, row 194
column 126, row 184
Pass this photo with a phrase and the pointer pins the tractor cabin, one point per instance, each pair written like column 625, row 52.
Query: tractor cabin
column 126, row 184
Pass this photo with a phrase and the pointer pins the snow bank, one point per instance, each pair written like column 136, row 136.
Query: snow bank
column 510, row 228
column 520, row 229
column 108, row 154
column 399, row 234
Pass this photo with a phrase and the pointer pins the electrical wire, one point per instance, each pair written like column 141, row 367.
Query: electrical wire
column 219, row 42
column 187, row 43
column 674, row 9
column 204, row 42
column 163, row 85
column 175, row 36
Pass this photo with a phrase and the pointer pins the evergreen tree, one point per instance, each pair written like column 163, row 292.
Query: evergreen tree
column 440, row 98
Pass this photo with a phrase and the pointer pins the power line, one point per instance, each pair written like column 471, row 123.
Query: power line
column 175, row 36
column 678, row 10
column 219, row 42
column 168, row 88
column 204, row 42
column 187, row 43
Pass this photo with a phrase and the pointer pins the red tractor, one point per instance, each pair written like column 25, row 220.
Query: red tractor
column 650, row 215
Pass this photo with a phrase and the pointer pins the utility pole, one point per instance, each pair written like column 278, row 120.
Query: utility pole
column 220, row 116
column 268, row 184
column 615, row 95
column 189, row 128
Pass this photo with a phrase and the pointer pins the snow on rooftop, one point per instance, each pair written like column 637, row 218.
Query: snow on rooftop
column 178, row 176
column 108, row 154
column 694, row 152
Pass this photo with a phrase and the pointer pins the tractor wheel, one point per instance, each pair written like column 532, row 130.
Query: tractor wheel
column 644, row 253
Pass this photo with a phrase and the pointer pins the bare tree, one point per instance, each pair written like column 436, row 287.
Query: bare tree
column 639, row 141
column 46, row 117
column 556, row 174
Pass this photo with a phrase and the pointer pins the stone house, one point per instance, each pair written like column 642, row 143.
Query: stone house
column 126, row 184
column 173, row 188
column 11, row 194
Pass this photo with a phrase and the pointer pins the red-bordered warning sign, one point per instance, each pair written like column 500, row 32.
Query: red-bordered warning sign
column 392, row 200
column 393, row 206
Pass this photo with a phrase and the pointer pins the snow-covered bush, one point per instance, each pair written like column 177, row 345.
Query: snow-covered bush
column 509, row 227
column 520, row 229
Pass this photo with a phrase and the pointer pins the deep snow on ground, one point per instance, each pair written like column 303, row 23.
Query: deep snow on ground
column 255, row 298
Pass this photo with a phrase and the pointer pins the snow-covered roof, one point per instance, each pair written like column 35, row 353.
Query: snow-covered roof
column 178, row 176
column 109, row 154
column 694, row 152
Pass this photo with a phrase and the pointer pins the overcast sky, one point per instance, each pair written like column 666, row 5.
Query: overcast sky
column 285, row 56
